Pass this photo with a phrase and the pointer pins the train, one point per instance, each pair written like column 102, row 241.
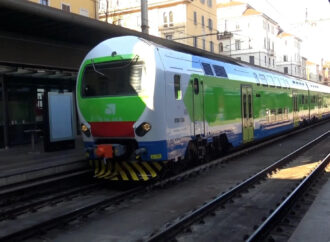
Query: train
column 143, row 106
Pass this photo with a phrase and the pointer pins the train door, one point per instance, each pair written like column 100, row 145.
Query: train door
column 198, row 107
column 247, row 113
column 295, row 109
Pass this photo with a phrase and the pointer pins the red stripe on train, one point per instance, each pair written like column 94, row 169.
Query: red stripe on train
column 112, row 129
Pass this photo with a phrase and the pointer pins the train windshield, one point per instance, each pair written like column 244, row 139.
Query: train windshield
column 116, row 78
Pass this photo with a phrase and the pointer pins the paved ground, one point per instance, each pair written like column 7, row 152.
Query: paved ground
column 315, row 225
column 134, row 220
column 18, row 163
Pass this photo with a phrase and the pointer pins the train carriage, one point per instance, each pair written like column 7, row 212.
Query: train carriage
column 142, row 105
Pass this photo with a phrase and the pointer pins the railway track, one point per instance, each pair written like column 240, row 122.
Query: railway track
column 214, row 217
column 70, row 208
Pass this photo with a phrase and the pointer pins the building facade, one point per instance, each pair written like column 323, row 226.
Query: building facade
column 88, row 8
column 289, row 59
column 186, row 21
column 247, row 34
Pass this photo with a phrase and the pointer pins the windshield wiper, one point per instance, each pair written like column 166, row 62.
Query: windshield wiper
column 98, row 72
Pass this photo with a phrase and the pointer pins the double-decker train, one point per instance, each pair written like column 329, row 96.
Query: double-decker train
column 142, row 105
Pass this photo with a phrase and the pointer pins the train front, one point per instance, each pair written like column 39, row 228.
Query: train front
column 116, row 107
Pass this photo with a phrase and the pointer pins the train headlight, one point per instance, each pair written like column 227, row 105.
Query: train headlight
column 143, row 129
column 85, row 130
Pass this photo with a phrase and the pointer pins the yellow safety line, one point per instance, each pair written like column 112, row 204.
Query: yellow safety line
column 96, row 170
column 157, row 165
column 122, row 173
column 131, row 171
column 152, row 172
column 143, row 174
column 108, row 170
column 102, row 171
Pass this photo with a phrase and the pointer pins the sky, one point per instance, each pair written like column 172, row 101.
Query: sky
column 290, row 14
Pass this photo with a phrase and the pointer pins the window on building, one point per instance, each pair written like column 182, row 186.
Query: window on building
column 203, row 44
column 211, row 46
column 220, row 47
column 169, row 36
column 165, row 19
column 171, row 18
column 269, row 61
column 210, row 24
column 265, row 60
column 44, row 2
column 203, row 24
column 237, row 44
column 84, row 12
column 209, row 3
column 268, row 44
column 285, row 58
column 265, row 43
column 195, row 42
column 239, row 58
column 273, row 63
column 65, row 7
column 286, row 70
column 273, row 45
column 195, row 18
column 202, row 1
column 251, row 59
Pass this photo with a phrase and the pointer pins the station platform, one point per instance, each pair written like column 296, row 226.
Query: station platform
column 21, row 163
column 315, row 225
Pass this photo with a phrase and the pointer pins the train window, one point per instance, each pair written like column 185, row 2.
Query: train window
column 267, row 115
column 220, row 71
column 279, row 116
column 115, row 78
column 177, row 88
column 272, row 115
column 257, row 79
column 207, row 69
column 286, row 113
column 270, row 81
column 250, row 105
column 263, row 80
column 302, row 99
column 244, row 106
column 196, row 86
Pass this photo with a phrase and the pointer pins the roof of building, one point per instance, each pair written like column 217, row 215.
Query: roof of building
column 309, row 63
column 251, row 11
column 229, row 4
column 284, row 34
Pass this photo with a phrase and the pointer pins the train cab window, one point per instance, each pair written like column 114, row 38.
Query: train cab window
column 177, row 88
column 270, row 81
column 115, row 78
column 263, row 80
column 257, row 79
